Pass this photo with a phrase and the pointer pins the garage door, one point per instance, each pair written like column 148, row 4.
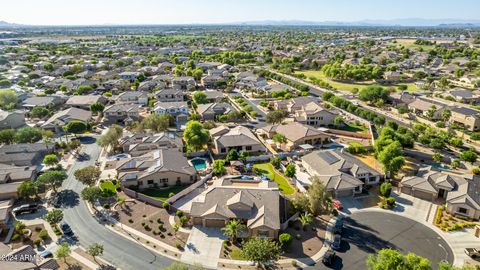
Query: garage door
column 407, row 190
column 343, row 193
column 215, row 223
column 423, row 195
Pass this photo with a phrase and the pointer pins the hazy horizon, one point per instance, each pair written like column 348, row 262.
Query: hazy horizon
column 151, row 12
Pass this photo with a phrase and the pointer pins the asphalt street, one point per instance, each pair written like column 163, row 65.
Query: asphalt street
column 118, row 250
column 368, row 232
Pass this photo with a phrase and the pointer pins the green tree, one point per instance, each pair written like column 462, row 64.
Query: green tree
column 469, row 156
column 232, row 155
column 306, row 219
column 338, row 121
column 200, row 97
column 317, row 200
column 50, row 160
column 386, row 189
column 373, row 94
column 75, row 127
column 391, row 158
column 195, row 136
column 95, row 250
column 63, row 251
column 260, row 250
column 285, row 240
column 276, row 117
column 28, row 135
column 279, row 138
column 8, row 99
column 52, row 179
column 455, row 163
column 387, row 259
column 91, row 194
column 39, row 112
column 84, row 89
column 232, row 228
column 437, row 157
column 7, row 136
column 88, row 175
column 275, row 161
column 219, row 167
column 27, row 189
column 157, row 122
column 54, row 216
column 290, row 170
column 446, row 114
column 111, row 137
column 97, row 107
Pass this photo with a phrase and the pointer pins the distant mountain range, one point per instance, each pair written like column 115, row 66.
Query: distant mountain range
column 407, row 22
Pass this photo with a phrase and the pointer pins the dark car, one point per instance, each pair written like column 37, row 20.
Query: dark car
column 46, row 254
column 337, row 240
column 26, row 208
column 338, row 226
column 66, row 229
column 328, row 257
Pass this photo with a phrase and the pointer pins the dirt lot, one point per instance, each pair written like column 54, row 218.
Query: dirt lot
column 311, row 240
column 134, row 213
column 29, row 241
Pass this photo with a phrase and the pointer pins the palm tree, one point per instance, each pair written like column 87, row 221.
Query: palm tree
column 232, row 228
column 121, row 201
column 306, row 219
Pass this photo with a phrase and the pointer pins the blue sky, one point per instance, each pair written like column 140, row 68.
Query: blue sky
column 55, row 12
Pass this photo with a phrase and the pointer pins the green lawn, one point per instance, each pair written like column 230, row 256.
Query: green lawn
column 267, row 170
column 348, row 86
column 162, row 194
column 236, row 254
column 352, row 127
column 109, row 189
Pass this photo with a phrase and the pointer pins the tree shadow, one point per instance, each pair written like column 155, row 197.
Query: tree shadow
column 68, row 198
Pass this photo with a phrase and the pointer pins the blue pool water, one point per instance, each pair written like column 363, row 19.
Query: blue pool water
column 199, row 164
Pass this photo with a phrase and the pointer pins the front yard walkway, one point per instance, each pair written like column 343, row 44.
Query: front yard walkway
column 203, row 247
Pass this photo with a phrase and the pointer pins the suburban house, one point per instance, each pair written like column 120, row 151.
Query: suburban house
column 315, row 115
column 47, row 101
column 158, row 168
column 15, row 119
column 84, row 102
column 294, row 104
column 183, row 83
column 213, row 81
column 24, row 154
column 177, row 109
column 121, row 113
column 139, row 144
column 214, row 96
column 251, row 82
column 465, row 117
column 239, row 138
column 170, row 95
column 460, row 192
column 210, row 110
column 465, row 96
column 341, row 172
column 5, row 217
column 296, row 134
column 257, row 206
column 421, row 107
column 26, row 258
column 136, row 97
column 128, row 76
column 11, row 177
column 61, row 118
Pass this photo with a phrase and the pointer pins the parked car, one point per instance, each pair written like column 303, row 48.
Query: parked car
column 26, row 208
column 328, row 257
column 338, row 226
column 472, row 252
column 337, row 240
column 66, row 229
column 46, row 254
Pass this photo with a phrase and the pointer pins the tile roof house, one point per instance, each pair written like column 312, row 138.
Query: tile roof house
column 421, row 107
column 294, row 104
column 84, row 102
column 460, row 192
column 58, row 120
column 177, row 109
column 239, row 138
column 27, row 259
column 121, row 113
column 315, row 115
column 341, row 172
column 465, row 96
column 136, row 97
column 258, row 207
column 11, row 177
column 158, row 168
column 209, row 111
column 47, row 101
column 467, row 117
column 296, row 134
column 15, row 119
column 170, row 95
column 24, row 154
column 142, row 143
column 183, row 83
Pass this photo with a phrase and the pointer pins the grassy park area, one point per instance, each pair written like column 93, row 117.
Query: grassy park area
column 163, row 194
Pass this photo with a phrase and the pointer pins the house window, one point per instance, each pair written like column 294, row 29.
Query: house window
column 263, row 233
column 178, row 179
column 140, row 183
column 150, row 182
column 462, row 210
column 191, row 178
column 164, row 180
column 248, row 147
column 223, row 150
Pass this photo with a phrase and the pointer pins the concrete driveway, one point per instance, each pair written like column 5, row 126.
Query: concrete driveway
column 203, row 247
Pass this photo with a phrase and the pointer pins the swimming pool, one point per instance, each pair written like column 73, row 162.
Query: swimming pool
column 199, row 164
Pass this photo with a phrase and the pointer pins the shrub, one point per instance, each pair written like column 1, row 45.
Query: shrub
column 130, row 220
column 143, row 223
column 171, row 194
column 391, row 202
column 144, row 215
column 43, row 234
column 166, row 205
column 298, row 236
column 160, row 227
column 37, row 242
column 183, row 220
column 38, row 229
column 179, row 213
column 178, row 245
column 15, row 237
column 159, row 220
column 438, row 216
column 285, row 240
